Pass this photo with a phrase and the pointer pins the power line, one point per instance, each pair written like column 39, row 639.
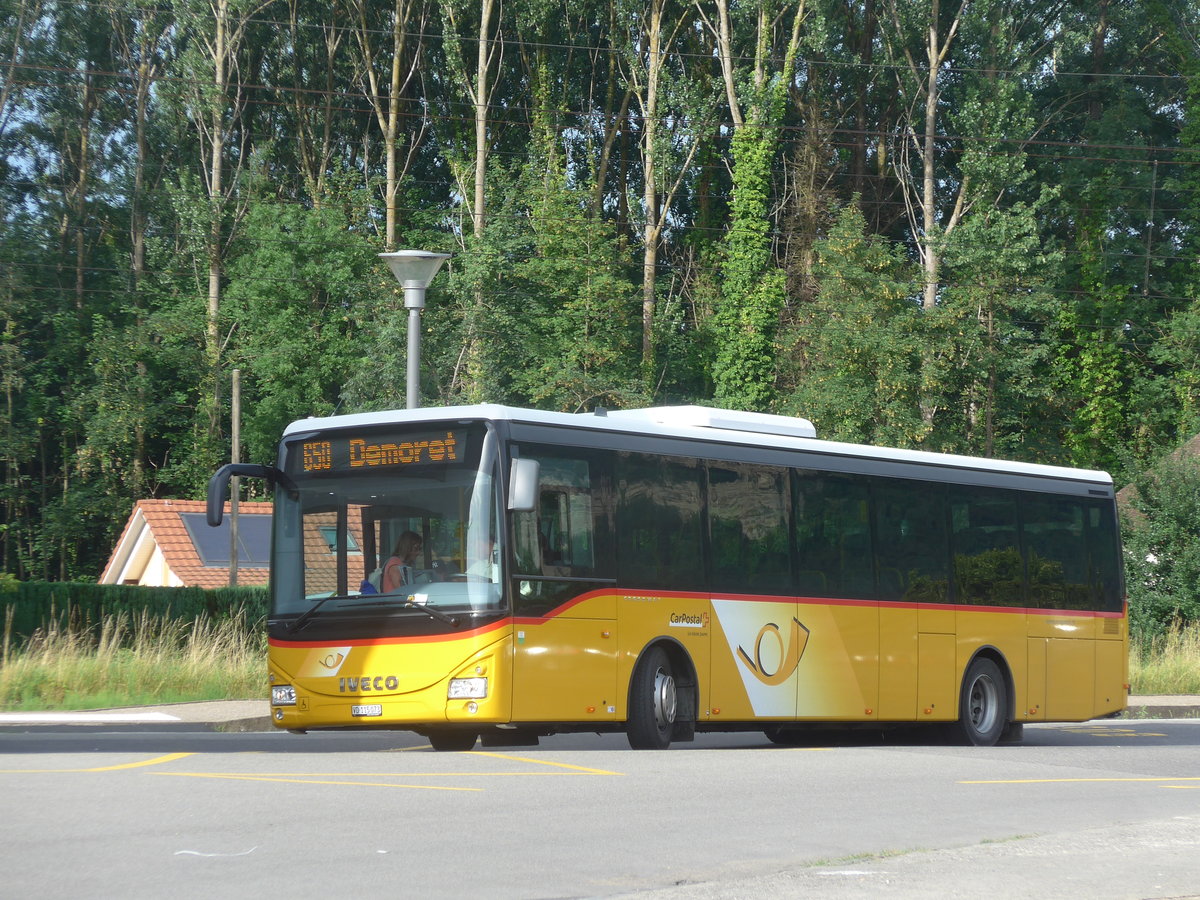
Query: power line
column 703, row 125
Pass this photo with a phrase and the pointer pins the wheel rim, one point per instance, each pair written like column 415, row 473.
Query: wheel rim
column 984, row 707
column 664, row 699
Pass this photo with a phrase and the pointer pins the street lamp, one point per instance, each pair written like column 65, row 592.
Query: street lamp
column 414, row 269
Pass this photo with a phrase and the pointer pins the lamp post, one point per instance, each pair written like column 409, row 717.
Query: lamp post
column 414, row 269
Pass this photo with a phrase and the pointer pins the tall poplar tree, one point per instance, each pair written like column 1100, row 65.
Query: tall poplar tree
column 216, row 35
column 753, row 284
column 667, row 139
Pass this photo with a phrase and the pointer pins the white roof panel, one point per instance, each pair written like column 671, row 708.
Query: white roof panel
column 697, row 423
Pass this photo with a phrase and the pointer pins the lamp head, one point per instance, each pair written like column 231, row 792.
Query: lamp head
column 414, row 268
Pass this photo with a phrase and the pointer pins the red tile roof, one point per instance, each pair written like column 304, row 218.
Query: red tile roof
column 162, row 519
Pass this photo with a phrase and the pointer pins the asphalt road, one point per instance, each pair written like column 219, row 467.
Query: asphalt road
column 1103, row 809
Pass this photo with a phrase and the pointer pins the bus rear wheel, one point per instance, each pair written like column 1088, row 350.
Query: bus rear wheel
column 653, row 702
column 982, row 704
column 451, row 739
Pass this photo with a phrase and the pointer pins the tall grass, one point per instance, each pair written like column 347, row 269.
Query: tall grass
column 1168, row 664
column 131, row 660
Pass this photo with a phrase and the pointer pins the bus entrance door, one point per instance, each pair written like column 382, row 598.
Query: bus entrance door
column 565, row 664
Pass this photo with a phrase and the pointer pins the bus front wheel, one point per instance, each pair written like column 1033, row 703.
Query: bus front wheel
column 653, row 704
column 451, row 739
column 982, row 705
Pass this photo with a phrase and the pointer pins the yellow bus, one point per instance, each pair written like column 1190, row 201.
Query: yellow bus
column 671, row 570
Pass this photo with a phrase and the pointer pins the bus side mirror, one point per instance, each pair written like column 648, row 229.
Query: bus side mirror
column 218, row 486
column 523, row 485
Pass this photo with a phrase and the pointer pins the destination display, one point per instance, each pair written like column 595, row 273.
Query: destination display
column 349, row 452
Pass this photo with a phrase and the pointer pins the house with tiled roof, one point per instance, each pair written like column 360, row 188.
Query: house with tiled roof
column 169, row 543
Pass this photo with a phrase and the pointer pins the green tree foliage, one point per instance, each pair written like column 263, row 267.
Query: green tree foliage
column 1162, row 555
column 787, row 206
column 299, row 301
column 858, row 343
column 753, row 287
column 1177, row 351
column 1119, row 220
column 1093, row 363
column 990, row 373
column 579, row 331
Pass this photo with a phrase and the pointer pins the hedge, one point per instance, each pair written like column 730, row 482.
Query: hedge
column 35, row 604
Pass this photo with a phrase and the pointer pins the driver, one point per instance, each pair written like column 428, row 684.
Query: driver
column 399, row 570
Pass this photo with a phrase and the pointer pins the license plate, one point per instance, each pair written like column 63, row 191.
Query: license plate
column 372, row 709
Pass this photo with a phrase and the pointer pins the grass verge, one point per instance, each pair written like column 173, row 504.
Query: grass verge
column 1168, row 664
column 133, row 661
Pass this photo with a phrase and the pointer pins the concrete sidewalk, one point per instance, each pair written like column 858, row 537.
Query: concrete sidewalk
column 255, row 715
column 206, row 715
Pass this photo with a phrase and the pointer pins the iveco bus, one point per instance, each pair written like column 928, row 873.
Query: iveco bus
column 678, row 569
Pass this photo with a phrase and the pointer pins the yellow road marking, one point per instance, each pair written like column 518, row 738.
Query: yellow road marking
column 1079, row 780
column 170, row 757
column 285, row 780
column 329, row 777
column 537, row 774
column 137, row 765
column 1101, row 731
column 544, row 762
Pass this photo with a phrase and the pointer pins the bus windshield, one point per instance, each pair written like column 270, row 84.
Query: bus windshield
column 388, row 520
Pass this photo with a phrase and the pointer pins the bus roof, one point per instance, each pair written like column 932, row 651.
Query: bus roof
column 694, row 423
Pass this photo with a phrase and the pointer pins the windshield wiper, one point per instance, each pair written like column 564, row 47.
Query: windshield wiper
column 412, row 604
column 301, row 620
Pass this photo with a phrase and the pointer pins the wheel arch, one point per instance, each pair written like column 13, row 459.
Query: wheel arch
column 687, row 683
column 990, row 651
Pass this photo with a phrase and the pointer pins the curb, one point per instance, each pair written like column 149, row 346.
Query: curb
column 93, row 728
column 202, row 715
column 243, row 726
column 1167, row 711
column 235, row 721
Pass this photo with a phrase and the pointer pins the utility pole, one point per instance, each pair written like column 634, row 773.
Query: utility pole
column 235, row 456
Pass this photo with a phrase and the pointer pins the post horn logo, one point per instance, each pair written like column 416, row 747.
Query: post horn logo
column 333, row 660
column 789, row 654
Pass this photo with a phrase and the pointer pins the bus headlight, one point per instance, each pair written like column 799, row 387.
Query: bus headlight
column 283, row 695
column 467, row 689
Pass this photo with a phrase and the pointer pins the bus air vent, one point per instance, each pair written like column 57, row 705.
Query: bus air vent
column 722, row 419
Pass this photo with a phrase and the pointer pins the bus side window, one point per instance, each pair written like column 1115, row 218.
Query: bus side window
column 560, row 537
column 988, row 566
column 554, row 527
column 913, row 545
column 748, row 528
column 659, row 533
column 1056, row 549
column 833, row 535
column 1104, row 556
